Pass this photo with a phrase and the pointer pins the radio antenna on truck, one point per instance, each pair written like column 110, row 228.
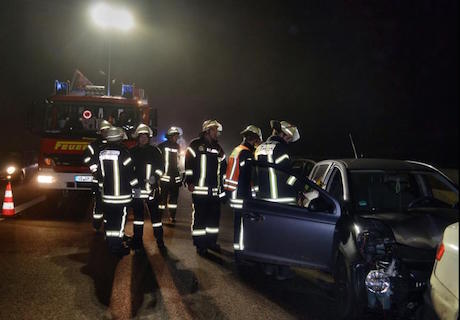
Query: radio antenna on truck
column 353, row 145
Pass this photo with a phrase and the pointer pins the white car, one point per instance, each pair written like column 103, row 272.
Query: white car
column 444, row 279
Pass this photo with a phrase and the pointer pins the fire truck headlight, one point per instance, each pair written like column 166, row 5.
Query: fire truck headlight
column 10, row 170
column 45, row 179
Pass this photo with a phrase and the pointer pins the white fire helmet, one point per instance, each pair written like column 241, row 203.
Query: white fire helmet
column 143, row 128
column 287, row 128
column 253, row 129
column 104, row 125
column 173, row 131
column 208, row 124
column 114, row 134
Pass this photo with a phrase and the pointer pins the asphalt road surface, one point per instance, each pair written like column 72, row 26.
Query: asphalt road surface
column 54, row 266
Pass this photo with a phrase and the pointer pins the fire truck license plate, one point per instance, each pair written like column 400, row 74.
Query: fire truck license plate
column 83, row 178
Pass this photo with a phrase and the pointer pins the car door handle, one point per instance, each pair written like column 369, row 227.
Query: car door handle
column 254, row 216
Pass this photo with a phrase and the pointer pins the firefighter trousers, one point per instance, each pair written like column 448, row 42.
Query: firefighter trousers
column 138, row 206
column 205, row 220
column 98, row 216
column 169, row 195
column 115, row 220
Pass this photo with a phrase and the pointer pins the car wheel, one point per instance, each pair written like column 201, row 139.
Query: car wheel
column 347, row 306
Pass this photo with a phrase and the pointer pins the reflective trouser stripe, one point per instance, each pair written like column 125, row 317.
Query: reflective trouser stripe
column 202, row 170
column 199, row 232
column 157, row 224
column 98, row 216
column 138, row 223
column 212, row 230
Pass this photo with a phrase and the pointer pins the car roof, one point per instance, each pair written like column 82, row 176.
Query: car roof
column 382, row 164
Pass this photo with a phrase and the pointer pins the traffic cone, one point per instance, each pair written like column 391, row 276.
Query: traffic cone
column 8, row 203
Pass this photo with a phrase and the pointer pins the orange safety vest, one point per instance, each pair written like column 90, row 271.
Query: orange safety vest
column 233, row 168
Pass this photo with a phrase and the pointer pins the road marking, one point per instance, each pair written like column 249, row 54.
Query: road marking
column 173, row 303
column 29, row 204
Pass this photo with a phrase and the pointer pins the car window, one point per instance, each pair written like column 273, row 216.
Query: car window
column 318, row 174
column 335, row 185
column 275, row 185
column 399, row 191
column 439, row 190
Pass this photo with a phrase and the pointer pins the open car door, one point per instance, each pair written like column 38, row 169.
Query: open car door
column 291, row 225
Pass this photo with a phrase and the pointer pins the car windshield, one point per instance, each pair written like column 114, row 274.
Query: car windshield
column 400, row 191
column 85, row 118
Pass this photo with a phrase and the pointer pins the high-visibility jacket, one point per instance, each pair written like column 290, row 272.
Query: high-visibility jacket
column 148, row 162
column 236, row 164
column 170, row 151
column 91, row 155
column 274, row 151
column 116, row 174
column 205, row 166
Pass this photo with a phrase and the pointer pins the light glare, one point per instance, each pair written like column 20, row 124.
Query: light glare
column 45, row 179
column 10, row 170
column 107, row 16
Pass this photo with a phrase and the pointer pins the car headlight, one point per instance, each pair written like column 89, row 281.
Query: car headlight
column 10, row 170
column 377, row 281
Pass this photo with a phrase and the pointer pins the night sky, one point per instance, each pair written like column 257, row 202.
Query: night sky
column 386, row 71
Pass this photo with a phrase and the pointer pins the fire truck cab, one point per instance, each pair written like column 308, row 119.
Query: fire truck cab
column 68, row 122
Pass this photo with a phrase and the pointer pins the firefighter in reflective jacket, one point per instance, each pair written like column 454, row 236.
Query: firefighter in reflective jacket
column 237, row 182
column 205, row 166
column 116, row 178
column 275, row 151
column 148, row 168
column 91, row 159
column 171, row 179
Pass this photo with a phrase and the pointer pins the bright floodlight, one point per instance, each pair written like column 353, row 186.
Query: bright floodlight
column 107, row 16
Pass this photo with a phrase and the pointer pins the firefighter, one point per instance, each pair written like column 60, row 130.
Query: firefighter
column 276, row 153
column 91, row 159
column 205, row 166
column 116, row 178
column 237, row 182
column 148, row 164
column 171, row 179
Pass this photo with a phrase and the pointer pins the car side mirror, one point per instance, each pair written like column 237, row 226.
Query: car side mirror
column 321, row 204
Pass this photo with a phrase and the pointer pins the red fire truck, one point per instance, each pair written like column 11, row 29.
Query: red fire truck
column 70, row 121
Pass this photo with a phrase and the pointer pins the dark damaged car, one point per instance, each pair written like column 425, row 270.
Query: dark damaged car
column 373, row 224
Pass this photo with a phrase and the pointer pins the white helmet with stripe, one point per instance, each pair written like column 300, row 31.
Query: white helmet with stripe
column 173, row 131
column 104, row 125
column 208, row 124
column 114, row 134
column 287, row 128
column 252, row 129
column 143, row 129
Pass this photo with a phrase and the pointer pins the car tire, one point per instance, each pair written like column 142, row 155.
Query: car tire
column 347, row 305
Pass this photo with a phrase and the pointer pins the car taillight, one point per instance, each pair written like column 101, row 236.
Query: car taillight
column 440, row 252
